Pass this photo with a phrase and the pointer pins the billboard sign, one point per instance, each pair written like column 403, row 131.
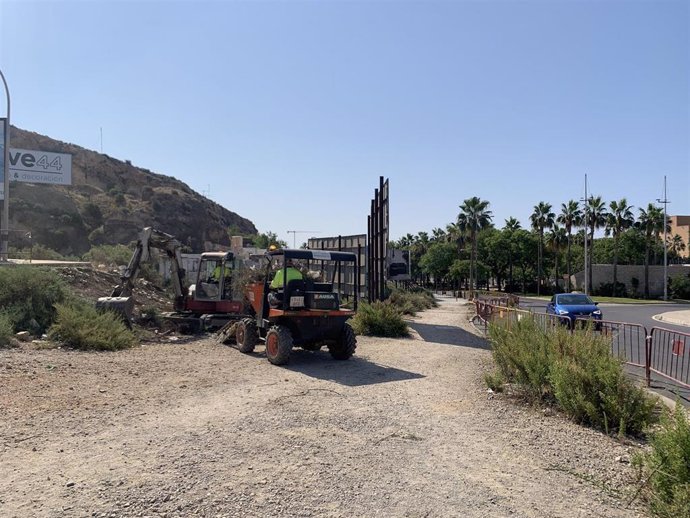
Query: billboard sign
column 40, row 167
column 3, row 129
column 398, row 265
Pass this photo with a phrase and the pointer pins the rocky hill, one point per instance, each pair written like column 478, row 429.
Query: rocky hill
column 109, row 202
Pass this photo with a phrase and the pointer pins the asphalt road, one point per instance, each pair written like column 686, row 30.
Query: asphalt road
column 632, row 313
column 636, row 314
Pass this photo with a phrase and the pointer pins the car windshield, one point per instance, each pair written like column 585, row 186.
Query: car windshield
column 574, row 299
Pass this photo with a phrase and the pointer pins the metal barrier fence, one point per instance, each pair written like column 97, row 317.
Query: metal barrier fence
column 662, row 351
column 669, row 355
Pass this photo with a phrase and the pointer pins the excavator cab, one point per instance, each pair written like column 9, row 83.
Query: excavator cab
column 214, row 281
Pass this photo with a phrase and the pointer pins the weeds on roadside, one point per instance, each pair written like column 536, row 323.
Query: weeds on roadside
column 410, row 302
column 28, row 295
column 666, row 468
column 379, row 319
column 6, row 330
column 574, row 371
column 150, row 316
column 80, row 326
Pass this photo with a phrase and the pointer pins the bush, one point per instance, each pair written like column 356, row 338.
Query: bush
column 80, row 326
column 114, row 255
column 379, row 319
column 574, row 371
column 679, row 287
column 409, row 302
column 150, row 316
column 666, row 468
column 523, row 354
column 28, row 295
column 590, row 385
column 6, row 330
column 605, row 289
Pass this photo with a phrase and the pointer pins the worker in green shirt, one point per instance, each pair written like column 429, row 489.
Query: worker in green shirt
column 293, row 274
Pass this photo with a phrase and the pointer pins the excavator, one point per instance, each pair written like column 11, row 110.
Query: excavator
column 204, row 306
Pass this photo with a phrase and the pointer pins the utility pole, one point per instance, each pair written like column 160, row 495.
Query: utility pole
column 295, row 232
column 665, row 202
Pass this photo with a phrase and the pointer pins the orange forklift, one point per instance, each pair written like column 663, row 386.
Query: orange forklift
column 306, row 313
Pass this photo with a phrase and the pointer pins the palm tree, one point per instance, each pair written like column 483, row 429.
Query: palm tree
column 474, row 216
column 596, row 218
column 541, row 218
column 618, row 220
column 555, row 240
column 677, row 246
column 510, row 227
column 649, row 222
column 570, row 216
column 438, row 234
column 512, row 224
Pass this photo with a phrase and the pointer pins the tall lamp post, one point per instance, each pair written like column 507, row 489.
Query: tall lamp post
column 665, row 202
column 5, row 223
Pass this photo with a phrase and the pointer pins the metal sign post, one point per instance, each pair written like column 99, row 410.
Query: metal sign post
column 5, row 222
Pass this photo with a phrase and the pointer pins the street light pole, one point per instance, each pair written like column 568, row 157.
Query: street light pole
column 665, row 202
column 5, row 223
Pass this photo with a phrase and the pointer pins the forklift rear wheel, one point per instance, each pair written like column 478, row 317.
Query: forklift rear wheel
column 345, row 346
column 278, row 345
column 247, row 335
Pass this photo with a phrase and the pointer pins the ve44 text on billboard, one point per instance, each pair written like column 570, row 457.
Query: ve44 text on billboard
column 40, row 167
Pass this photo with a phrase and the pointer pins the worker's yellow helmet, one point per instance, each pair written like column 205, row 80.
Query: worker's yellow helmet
column 273, row 247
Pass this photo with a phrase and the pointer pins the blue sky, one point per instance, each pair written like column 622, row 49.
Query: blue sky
column 288, row 112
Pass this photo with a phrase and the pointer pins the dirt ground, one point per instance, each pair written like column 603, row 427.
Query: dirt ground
column 406, row 428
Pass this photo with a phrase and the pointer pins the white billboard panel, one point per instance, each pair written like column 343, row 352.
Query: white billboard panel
column 398, row 265
column 40, row 167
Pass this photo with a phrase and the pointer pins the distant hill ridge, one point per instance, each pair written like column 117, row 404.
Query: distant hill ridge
column 110, row 201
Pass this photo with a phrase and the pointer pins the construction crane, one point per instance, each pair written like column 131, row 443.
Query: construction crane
column 295, row 232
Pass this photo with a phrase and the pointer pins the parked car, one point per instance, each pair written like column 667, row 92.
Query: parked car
column 574, row 306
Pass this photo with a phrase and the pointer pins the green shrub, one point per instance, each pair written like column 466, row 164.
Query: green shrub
column 114, row 255
column 80, row 326
column 379, row 319
column 666, row 468
column 6, row 330
column 494, row 380
column 679, row 287
column 28, row 295
column 523, row 354
column 150, row 316
column 590, row 385
column 575, row 371
column 410, row 302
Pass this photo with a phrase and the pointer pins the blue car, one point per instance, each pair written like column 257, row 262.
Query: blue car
column 573, row 306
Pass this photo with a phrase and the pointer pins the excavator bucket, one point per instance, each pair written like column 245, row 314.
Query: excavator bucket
column 122, row 306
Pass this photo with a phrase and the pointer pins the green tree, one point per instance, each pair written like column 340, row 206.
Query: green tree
column 437, row 260
column 650, row 222
column 570, row 216
column 474, row 216
column 595, row 217
column 676, row 246
column 264, row 240
column 541, row 218
column 494, row 246
column 618, row 220
column 556, row 240
column 511, row 225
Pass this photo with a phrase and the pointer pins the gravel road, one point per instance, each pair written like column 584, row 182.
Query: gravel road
column 406, row 428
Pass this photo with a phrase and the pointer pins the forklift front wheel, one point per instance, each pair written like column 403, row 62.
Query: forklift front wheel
column 278, row 345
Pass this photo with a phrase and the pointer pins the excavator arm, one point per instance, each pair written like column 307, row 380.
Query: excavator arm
column 120, row 298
